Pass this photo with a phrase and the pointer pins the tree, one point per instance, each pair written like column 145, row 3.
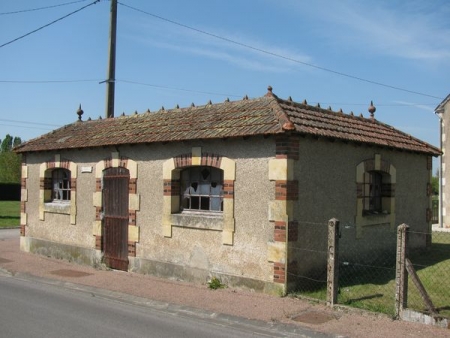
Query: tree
column 10, row 162
column 435, row 183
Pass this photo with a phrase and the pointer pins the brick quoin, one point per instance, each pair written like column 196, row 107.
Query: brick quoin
column 228, row 189
column 286, row 190
column 287, row 147
column 279, row 233
column 279, row 272
column 132, row 249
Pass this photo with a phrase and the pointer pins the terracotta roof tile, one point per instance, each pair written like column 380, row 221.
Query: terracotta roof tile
column 261, row 116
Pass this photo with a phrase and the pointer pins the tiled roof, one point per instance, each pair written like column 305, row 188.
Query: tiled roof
column 266, row 115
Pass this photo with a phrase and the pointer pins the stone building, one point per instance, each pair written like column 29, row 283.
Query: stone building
column 219, row 190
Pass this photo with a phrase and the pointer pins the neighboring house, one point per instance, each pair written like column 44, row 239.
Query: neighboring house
column 220, row 190
column 443, row 111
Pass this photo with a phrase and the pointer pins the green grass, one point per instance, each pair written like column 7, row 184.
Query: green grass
column 373, row 288
column 9, row 214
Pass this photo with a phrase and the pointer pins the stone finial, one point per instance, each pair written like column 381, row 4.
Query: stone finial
column 318, row 105
column 209, row 102
column 372, row 110
column 227, row 99
column 269, row 92
column 80, row 112
column 148, row 110
column 192, row 105
column 245, row 97
column 305, row 102
column 290, row 99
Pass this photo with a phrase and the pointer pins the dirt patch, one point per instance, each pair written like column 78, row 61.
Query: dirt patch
column 314, row 317
column 4, row 260
column 70, row 273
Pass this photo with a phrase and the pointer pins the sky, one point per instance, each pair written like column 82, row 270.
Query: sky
column 342, row 54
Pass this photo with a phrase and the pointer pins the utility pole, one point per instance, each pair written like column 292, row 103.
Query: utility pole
column 110, row 82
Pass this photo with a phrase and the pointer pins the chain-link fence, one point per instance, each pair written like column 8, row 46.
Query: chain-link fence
column 307, row 267
column 432, row 266
column 367, row 267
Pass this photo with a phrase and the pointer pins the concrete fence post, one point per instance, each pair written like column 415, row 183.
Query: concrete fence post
column 401, row 275
column 333, row 262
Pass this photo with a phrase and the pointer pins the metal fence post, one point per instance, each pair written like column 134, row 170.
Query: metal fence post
column 401, row 275
column 333, row 262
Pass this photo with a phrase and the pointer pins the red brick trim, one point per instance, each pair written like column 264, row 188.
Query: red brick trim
column 98, row 213
column 228, row 189
column 22, row 229
column 171, row 187
column 286, row 190
column 287, row 147
column 132, row 186
column 132, row 217
column 184, row 160
column 279, row 233
column 132, row 249
column 98, row 184
column 279, row 272
column 98, row 242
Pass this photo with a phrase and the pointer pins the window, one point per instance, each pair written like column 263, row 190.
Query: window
column 60, row 185
column 202, row 189
column 372, row 195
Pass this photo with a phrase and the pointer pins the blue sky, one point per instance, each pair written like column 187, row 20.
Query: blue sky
column 161, row 62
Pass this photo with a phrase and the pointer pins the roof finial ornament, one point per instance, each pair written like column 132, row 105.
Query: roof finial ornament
column 80, row 112
column 372, row 110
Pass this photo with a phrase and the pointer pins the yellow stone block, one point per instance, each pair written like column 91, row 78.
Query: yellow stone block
column 73, row 170
column 24, row 195
column 97, row 228
column 229, row 169
column 132, row 167
column 115, row 156
column 227, row 237
column 196, row 155
column 23, row 218
column 167, row 230
column 281, row 169
column 97, row 199
column 133, row 233
column 276, row 252
column 99, row 167
column 134, row 201
column 168, row 166
column 24, row 171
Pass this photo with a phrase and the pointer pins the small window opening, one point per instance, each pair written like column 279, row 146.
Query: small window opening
column 201, row 189
column 60, row 185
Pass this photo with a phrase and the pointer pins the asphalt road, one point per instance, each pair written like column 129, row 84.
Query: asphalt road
column 9, row 233
column 31, row 308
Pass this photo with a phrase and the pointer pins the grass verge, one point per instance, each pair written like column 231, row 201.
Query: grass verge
column 9, row 214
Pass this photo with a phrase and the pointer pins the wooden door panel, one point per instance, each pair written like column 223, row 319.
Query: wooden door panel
column 115, row 219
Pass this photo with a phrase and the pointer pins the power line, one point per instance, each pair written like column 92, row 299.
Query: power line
column 378, row 104
column 41, row 8
column 48, row 81
column 49, row 24
column 279, row 55
column 180, row 89
column 27, row 122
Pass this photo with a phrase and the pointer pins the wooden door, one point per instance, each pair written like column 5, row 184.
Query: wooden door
column 115, row 217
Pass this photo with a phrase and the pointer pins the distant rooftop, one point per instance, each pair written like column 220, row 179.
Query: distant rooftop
column 266, row 115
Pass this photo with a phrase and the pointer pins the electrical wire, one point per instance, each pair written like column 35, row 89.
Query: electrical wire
column 27, row 122
column 279, row 55
column 41, row 8
column 49, row 24
column 179, row 89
